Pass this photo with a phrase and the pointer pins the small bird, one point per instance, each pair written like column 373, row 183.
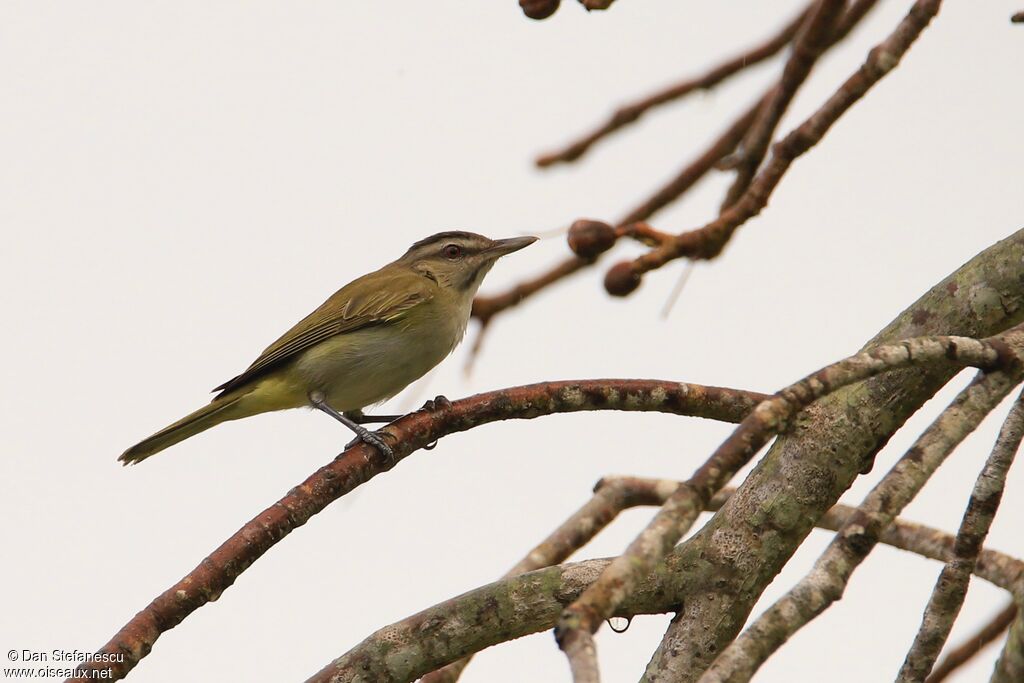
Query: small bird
column 367, row 342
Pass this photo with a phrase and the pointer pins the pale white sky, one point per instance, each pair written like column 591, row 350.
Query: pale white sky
column 182, row 181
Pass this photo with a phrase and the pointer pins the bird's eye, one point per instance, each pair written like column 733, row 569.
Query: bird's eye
column 452, row 251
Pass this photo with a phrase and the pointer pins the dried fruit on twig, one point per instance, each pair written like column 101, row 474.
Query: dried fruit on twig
column 588, row 238
column 622, row 279
column 539, row 9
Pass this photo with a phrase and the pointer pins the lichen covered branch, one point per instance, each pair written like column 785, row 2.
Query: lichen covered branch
column 951, row 587
column 827, row 580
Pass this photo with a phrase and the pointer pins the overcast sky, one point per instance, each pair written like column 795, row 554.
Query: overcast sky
column 182, row 181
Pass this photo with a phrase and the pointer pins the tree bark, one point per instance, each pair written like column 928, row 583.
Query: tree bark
column 737, row 554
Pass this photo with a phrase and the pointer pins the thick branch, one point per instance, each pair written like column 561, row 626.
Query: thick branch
column 360, row 463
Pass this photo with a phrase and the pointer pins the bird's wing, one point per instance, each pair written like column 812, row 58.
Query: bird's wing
column 352, row 307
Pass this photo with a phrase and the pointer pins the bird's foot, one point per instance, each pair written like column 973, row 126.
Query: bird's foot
column 374, row 439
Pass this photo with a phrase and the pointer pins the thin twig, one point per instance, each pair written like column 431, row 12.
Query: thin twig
column 633, row 111
column 708, row 241
column 811, row 42
column 485, row 308
column 974, row 644
column 951, row 587
column 827, row 580
column 359, row 464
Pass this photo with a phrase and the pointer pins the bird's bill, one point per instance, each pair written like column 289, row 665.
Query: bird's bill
column 507, row 246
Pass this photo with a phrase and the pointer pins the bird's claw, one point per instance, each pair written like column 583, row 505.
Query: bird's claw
column 375, row 440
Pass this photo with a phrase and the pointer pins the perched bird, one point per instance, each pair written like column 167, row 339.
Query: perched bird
column 367, row 342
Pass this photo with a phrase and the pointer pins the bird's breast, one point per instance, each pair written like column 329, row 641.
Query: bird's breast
column 360, row 368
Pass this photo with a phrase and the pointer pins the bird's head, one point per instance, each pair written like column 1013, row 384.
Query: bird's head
column 458, row 259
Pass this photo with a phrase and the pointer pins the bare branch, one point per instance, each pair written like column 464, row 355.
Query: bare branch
column 951, row 587
column 631, row 112
column 486, row 307
column 708, row 241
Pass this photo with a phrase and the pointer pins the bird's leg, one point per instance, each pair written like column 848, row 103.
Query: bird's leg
column 362, row 433
column 359, row 417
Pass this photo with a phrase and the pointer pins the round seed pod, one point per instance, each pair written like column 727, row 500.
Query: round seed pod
column 622, row 279
column 538, row 9
column 589, row 238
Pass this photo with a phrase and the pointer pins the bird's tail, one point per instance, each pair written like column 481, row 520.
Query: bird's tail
column 210, row 415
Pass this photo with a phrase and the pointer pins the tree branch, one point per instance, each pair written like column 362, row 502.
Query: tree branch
column 486, row 307
column 951, row 587
column 632, row 112
column 360, row 463
column 813, row 40
column 708, row 241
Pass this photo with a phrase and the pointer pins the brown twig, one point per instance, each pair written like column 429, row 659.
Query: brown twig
column 631, row 112
column 813, row 39
column 528, row 603
column 827, row 580
column 973, row 644
column 360, row 463
column 485, row 308
column 1017, row 18
column 771, row 417
column 951, row 587
column 708, row 241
